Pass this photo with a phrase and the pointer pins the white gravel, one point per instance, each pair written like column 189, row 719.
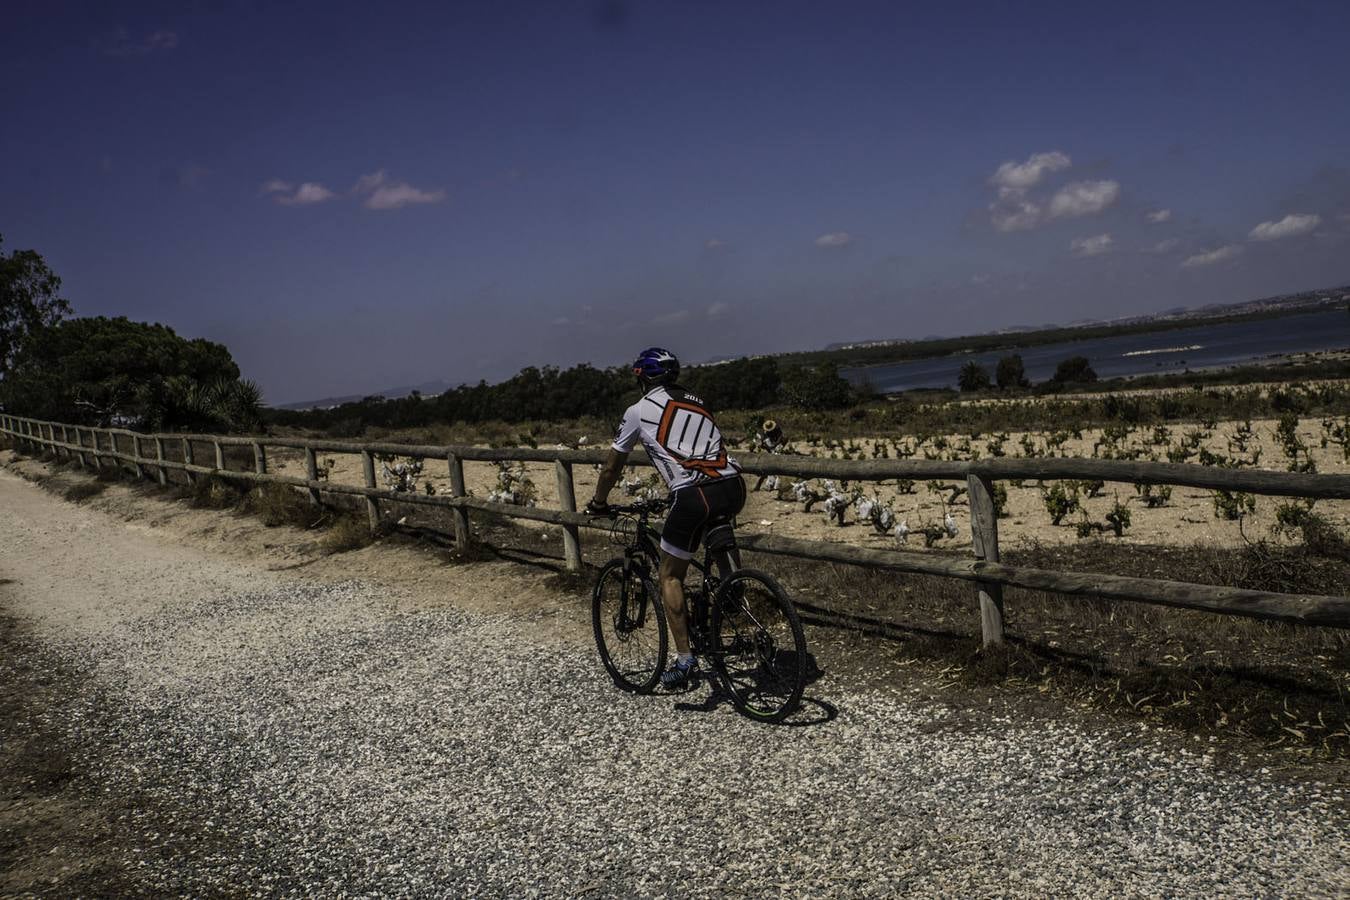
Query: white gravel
column 269, row 738
column 327, row 744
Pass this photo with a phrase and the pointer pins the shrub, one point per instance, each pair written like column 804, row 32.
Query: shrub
column 1154, row 496
column 1010, row 373
column 973, row 377
column 1118, row 519
column 278, row 504
column 1000, row 498
column 1318, row 534
column 1074, row 369
column 1060, row 502
column 1233, row 505
column 349, row 531
column 215, row 493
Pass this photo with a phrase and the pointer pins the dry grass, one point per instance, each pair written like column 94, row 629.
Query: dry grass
column 347, row 531
column 1277, row 684
column 214, row 493
column 84, row 490
column 279, row 504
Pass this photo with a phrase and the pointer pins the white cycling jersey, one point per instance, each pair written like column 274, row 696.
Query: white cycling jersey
column 680, row 435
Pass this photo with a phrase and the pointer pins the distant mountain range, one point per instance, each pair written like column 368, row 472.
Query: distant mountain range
column 1305, row 301
column 426, row 389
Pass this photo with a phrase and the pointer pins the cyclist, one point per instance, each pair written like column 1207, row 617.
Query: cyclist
column 686, row 447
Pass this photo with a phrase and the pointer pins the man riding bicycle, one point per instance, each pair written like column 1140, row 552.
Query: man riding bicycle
column 706, row 487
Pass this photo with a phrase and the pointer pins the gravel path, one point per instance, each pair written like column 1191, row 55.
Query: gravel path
column 308, row 738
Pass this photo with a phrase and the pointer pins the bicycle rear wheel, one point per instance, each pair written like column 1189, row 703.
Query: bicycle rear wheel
column 630, row 626
column 760, row 650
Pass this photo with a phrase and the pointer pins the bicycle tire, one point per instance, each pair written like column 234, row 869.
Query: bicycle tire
column 630, row 628
column 760, row 648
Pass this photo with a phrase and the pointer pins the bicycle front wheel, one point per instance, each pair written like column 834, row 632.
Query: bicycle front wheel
column 630, row 626
column 759, row 647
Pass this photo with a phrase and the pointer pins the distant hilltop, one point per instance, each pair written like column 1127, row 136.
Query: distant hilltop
column 428, row 390
column 1304, row 301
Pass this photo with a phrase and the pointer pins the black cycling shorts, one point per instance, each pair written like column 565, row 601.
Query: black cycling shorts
column 695, row 507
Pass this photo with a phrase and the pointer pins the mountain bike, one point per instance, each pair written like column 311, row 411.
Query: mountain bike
column 740, row 620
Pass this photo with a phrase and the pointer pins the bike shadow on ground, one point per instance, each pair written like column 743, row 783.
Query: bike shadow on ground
column 811, row 711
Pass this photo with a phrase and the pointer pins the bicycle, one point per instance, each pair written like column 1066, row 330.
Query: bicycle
column 740, row 620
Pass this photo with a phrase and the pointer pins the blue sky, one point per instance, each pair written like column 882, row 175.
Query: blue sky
column 357, row 196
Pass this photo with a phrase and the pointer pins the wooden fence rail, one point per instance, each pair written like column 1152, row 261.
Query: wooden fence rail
column 87, row 445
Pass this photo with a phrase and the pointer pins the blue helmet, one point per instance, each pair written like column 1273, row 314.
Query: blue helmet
column 657, row 366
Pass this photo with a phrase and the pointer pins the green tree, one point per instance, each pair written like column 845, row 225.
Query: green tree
column 99, row 370
column 1074, row 369
column 819, row 387
column 738, row 384
column 29, row 300
column 1010, row 372
column 973, row 377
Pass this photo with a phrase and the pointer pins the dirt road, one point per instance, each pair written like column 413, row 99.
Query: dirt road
column 197, row 705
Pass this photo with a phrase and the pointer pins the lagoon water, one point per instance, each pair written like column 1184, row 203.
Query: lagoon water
column 1203, row 346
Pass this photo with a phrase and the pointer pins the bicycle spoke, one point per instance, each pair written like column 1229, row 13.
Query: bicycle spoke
column 629, row 630
column 761, row 651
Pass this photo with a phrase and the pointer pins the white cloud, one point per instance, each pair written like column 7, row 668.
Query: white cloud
column 979, row 279
column 1091, row 246
column 718, row 309
column 367, row 183
column 305, row 194
column 381, row 193
column 1020, row 176
column 714, row 244
column 1164, row 246
column 1013, row 213
column 1017, row 208
column 1158, row 216
column 673, row 318
column 394, row 196
column 1083, row 198
column 1291, row 225
column 275, row 186
column 1214, row 256
column 834, row 239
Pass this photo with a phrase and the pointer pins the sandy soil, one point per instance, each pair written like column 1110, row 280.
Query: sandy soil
column 1188, row 518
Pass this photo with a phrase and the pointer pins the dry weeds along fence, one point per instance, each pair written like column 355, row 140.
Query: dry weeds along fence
column 94, row 446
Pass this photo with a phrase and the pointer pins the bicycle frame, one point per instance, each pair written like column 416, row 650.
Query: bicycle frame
column 646, row 550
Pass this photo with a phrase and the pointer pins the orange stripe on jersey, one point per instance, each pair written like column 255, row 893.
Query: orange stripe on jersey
column 697, row 413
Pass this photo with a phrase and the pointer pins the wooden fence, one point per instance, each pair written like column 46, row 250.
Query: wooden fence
column 94, row 446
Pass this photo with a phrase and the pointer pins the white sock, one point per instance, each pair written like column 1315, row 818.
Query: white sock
column 684, row 658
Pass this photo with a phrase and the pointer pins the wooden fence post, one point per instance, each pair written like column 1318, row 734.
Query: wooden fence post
column 136, row 452
column 220, row 456
column 459, row 515
column 312, row 474
column 372, row 505
column 259, row 458
column 190, row 460
column 568, row 502
column 984, row 536
column 159, row 455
